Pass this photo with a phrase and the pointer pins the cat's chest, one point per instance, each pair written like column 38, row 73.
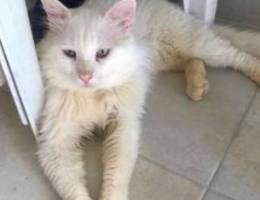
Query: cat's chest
column 82, row 109
column 98, row 109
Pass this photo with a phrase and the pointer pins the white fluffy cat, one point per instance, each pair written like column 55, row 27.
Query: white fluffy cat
column 97, row 61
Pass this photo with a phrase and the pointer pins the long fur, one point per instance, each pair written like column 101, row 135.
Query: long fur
column 163, row 37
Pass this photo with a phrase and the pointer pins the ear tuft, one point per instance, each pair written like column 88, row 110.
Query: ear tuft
column 120, row 18
column 56, row 12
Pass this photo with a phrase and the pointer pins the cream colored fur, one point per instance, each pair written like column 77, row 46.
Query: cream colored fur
column 162, row 34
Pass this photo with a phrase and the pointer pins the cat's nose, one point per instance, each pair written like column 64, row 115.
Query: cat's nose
column 86, row 76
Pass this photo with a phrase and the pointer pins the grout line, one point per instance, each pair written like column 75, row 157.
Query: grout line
column 169, row 170
column 224, row 195
column 235, row 135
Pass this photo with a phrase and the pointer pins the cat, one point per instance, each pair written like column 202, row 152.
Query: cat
column 97, row 63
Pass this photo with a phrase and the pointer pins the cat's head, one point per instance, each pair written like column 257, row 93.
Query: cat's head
column 86, row 49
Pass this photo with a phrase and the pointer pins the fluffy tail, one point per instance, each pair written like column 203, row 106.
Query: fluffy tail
column 245, row 40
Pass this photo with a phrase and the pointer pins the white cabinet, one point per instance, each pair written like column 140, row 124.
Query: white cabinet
column 19, row 61
column 203, row 9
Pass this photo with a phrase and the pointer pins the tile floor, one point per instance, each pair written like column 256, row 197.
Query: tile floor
column 208, row 150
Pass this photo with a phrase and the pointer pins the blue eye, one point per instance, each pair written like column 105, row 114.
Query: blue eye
column 70, row 53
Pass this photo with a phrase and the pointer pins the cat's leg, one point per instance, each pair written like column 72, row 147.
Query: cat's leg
column 61, row 159
column 119, row 156
column 2, row 78
column 196, row 80
column 218, row 52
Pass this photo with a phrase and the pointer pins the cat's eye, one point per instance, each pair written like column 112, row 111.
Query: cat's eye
column 102, row 53
column 70, row 53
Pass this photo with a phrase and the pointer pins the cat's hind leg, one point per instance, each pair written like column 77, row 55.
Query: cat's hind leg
column 196, row 81
column 169, row 59
column 218, row 52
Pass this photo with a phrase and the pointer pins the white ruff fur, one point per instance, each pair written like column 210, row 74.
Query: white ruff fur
column 162, row 36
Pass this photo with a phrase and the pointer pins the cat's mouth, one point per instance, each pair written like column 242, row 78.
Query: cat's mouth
column 84, row 84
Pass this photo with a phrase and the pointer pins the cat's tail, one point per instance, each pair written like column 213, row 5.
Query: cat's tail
column 245, row 40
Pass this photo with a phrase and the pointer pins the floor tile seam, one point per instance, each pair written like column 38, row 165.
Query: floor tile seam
column 224, row 195
column 234, row 136
column 172, row 172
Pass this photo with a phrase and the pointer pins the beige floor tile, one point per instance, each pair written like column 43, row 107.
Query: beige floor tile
column 152, row 183
column 216, row 196
column 20, row 176
column 239, row 176
column 93, row 167
column 191, row 137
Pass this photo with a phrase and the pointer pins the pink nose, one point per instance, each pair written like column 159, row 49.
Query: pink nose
column 86, row 77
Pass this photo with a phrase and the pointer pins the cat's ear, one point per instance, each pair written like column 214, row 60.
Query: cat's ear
column 57, row 13
column 120, row 18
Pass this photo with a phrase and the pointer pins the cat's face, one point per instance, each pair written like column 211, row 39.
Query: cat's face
column 89, row 50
